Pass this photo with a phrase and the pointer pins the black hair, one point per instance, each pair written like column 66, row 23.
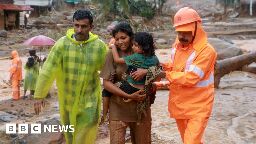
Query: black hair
column 32, row 52
column 30, row 62
column 123, row 27
column 83, row 14
column 146, row 43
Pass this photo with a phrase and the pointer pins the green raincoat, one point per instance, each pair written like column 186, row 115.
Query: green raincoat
column 75, row 67
column 31, row 75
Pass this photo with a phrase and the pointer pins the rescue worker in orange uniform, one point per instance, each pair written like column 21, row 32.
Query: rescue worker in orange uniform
column 190, row 75
column 15, row 74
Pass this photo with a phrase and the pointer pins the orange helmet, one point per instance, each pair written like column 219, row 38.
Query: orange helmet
column 14, row 54
column 186, row 15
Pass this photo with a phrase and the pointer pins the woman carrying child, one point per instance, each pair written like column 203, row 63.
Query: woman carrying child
column 124, row 113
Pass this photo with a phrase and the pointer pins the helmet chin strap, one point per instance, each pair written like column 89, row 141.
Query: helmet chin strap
column 194, row 32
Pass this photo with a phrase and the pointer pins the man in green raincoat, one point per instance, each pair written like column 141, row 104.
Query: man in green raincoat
column 74, row 61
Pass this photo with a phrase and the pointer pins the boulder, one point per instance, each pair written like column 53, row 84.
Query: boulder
column 6, row 117
column 3, row 33
column 161, row 41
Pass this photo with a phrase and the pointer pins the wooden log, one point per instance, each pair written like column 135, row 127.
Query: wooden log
column 228, row 65
column 249, row 69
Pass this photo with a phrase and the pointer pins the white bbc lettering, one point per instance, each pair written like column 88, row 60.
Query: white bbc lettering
column 54, row 128
column 63, row 128
column 36, row 129
column 10, row 128
column 23, row 128
column 47, row 128
column 71, row 127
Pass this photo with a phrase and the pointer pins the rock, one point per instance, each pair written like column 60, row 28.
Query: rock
column 161, row 41
column 11, row 43
column 234, row 14
column 44, row 20
column 13, row 135
column 12, row 112
column 70, row 18
column 28, row 115
column 3, row 33
column 67, row 13
column 137, row 19
column 20, row 110
column 103, row 31
column 204, row 7
column 7, row 117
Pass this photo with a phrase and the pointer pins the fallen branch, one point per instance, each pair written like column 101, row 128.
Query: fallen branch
column 223, row 67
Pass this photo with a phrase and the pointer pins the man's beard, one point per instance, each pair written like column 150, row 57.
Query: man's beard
column 183, row 40
column 79, row 36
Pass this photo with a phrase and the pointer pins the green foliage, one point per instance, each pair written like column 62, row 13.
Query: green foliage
column 142, row 8
column 113, row 6
column 135, row 7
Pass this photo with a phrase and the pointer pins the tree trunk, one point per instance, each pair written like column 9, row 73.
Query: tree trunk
column 228, row 65
column 250, row 69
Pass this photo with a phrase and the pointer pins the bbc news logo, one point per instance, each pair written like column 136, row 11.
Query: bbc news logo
column 37, row 128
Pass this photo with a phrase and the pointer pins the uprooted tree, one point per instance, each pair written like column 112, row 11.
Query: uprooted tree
column 225, row 66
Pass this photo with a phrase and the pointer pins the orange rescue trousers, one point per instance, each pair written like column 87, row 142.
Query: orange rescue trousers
column 192, row 130
column 16, row 89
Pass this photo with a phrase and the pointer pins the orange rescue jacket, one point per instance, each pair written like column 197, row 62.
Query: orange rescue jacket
column 190, row 72
column 16, row 67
